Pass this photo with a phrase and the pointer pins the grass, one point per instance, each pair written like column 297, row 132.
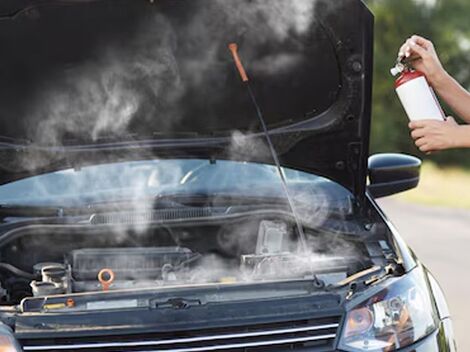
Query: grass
column 445, row 187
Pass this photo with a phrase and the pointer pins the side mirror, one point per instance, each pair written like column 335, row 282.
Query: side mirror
column 392, row 173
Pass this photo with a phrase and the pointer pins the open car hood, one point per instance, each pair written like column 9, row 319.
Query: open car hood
column 86, row 82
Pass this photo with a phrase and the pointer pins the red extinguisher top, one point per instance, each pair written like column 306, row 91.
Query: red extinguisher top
column 407, row 76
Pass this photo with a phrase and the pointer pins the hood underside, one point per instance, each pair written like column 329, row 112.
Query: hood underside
column 88, row 82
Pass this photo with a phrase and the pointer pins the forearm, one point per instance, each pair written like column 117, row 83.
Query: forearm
column 454, row 95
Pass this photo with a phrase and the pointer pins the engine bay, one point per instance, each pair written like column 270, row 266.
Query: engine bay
column 44, row 260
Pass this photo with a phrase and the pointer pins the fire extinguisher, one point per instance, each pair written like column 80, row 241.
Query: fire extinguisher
column 415, row 94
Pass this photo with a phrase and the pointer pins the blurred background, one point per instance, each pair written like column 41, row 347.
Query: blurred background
column 434, row 218
column 447, row 24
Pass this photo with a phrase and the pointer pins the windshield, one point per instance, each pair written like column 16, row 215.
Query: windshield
column 141, row 180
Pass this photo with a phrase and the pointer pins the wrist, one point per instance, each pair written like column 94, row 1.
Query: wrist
column 441, row 80
column 462, row 138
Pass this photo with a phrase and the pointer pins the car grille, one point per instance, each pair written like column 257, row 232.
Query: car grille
column 316, row 335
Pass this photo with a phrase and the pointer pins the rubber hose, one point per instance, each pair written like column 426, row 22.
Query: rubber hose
column 16, row 271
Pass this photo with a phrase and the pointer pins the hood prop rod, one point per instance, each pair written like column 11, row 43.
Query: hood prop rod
column 233, row 47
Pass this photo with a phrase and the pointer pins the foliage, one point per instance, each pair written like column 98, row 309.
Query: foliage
column 446, row 23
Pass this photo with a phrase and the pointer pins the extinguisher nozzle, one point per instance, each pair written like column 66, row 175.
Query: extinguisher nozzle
column 394, row 71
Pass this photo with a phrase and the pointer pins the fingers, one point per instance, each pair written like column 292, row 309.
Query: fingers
column 415, row 48
column 401, row 52
column 422, row 123
column 415, row 41
column 427, row 44
column 423, row 132
column 410, row 44
column 405, row 50
column 433, row 135
column 418, row 133
column 424, row 146
column 420, row 142
column 426, row 149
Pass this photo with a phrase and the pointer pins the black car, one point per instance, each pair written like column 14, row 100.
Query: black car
column 194, row 175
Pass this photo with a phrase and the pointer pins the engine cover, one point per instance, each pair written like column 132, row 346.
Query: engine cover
column 127, row 263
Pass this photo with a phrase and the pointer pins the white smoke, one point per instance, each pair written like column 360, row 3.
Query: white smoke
column 278, row 16
column 245, row 144
column 103, row 97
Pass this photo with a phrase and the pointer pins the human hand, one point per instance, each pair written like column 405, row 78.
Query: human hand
column 423, row 57
column 433, row 135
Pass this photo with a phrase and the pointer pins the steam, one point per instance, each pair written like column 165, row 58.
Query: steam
column 326, row 254
column 244, row 144
column 103, row 98
column 313, row 206
column 276, row 16
column 277, row 64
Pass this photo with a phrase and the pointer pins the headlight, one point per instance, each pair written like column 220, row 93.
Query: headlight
column 7, row 341
column 8, row 344
column 397, row 316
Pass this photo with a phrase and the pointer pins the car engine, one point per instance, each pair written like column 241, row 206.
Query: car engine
column 97, row 259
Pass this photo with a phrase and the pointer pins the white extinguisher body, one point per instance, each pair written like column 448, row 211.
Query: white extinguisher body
column 417, row 97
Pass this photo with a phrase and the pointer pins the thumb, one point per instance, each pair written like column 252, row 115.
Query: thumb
column 450, row 119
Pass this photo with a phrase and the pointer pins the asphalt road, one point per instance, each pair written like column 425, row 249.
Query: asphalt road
column 441, row 239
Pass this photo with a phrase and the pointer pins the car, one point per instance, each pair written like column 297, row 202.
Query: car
column 194, row 175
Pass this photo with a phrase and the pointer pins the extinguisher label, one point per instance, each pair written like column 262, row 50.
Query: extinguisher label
column 419, row 100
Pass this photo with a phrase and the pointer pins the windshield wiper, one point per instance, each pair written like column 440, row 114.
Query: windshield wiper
column 30, row 211
column 215, row 199
column 86, row 208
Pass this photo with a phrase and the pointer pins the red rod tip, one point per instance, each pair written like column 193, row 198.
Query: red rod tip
column 233, row 47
